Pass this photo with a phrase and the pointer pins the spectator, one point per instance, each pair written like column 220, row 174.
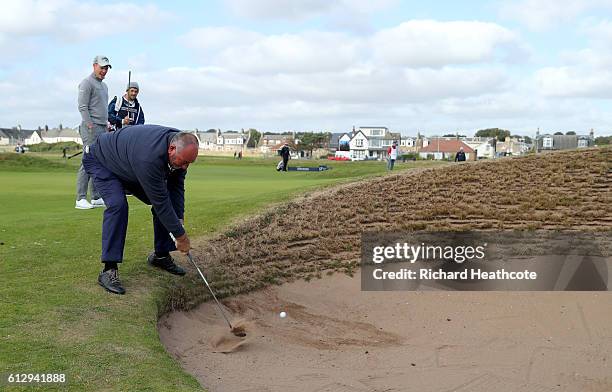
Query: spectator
column 391, row 156
column 93, row 97
column 126, row 110
column 460, row 156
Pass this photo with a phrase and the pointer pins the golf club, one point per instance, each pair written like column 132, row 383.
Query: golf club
column 237, row 330
column 75, row 154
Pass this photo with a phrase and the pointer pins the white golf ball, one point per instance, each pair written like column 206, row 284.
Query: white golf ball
column 283, row 314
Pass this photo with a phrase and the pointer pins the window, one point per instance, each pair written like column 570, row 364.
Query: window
column 374, row 143
column 359, row 142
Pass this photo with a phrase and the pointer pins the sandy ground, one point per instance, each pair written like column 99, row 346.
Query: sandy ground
column 338, row 338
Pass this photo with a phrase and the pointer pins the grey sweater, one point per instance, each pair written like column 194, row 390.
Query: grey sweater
column 93, row 100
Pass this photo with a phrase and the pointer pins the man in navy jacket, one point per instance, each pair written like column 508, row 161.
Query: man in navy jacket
column 126, row 110
column 150, row 161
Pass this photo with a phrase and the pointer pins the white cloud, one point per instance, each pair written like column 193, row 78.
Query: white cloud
column 298, row 10
column 583, row 73
column 218, row 38
column 539, row 15
column 250, row 52
column 70, row 20
column 419, row 43
column 427, row 43
column 574, row 82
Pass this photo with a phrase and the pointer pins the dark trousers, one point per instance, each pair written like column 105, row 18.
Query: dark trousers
column 114, row 226
column 285, row 160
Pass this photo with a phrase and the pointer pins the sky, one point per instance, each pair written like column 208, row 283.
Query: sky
column 432, row 67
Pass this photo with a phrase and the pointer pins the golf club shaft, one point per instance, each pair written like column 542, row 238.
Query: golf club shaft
column 207, row 285
column 210, row 289
column 74, row 155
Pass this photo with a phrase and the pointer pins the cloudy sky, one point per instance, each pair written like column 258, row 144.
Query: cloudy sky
column 433, row 67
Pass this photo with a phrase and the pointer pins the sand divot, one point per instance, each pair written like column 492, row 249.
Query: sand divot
column 224, row 341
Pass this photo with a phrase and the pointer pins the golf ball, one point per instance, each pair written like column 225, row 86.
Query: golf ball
column 283, row 314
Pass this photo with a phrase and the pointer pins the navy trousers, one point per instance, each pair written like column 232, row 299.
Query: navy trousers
column 114, row 227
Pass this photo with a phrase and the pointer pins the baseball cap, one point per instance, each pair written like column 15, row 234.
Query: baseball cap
column 102, row 61
column 132, row 85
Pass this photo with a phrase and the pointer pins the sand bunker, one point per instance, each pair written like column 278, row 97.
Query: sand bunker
column 337, row 338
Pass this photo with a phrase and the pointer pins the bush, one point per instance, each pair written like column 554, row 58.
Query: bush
column 411, row 156
column 55, row 147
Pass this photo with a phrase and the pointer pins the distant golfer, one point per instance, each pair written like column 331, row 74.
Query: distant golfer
column 151, row 162
column 126, row 110
column 391, row 155
column 285, row 152
column 460, row 156
column 93, row 99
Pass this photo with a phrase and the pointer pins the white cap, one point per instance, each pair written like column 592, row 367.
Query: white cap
column 102, row 61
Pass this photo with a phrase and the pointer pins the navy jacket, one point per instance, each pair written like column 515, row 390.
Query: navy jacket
column 118, row 108
column 138, row 154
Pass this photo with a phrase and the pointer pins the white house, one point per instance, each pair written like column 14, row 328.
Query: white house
column 232, row 141
column 547, row 142
column 344, row 142
column 207, row 140
column 31, row 137
column 379, row 141
column 482, row 146
column 408, row 142
column 374, row 131
column 359, row 146
column 57, row 135
column 4, row 139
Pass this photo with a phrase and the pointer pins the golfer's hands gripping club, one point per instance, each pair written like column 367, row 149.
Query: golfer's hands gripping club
column 183, row 244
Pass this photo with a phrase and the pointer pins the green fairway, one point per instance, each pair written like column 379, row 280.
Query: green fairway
column 55, row 317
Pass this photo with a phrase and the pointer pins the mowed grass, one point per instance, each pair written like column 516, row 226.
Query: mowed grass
column 54, row 318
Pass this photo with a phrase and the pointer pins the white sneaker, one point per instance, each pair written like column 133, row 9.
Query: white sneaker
column 83, row 204
column 97, row 203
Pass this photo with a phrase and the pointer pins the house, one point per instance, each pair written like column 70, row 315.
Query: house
column 441, row 148
column 408, row 142
column 359, row 146
column 207, row 140
column 268, row 143
column 585, row 141
column 4, row 139
column 379, row 140
column 483, row 146
column 30, row 137
column 59, row 135
column 14, row 135
column 563, row 142
column 511, row 146
column 335, row 139
column 231, row 141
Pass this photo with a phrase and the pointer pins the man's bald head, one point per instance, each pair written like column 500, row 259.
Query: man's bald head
column 183, row 150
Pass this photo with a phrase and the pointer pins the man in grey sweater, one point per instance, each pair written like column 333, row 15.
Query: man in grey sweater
column 93, row 101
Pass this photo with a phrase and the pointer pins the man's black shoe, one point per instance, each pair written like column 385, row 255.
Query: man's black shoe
column 109, row 279
column 166, row 263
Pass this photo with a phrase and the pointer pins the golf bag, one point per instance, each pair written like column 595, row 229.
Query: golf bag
column 280, row 166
